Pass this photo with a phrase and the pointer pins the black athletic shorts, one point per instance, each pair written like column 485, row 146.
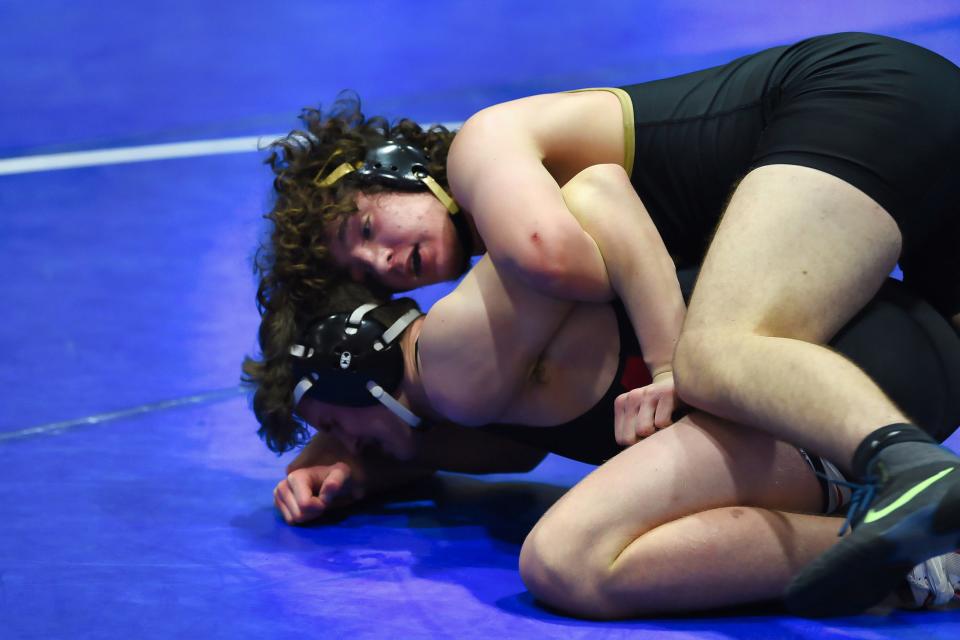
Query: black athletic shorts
column 879, row 113
column 884, row 116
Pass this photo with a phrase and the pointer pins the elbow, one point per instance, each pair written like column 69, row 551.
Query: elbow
column 563, row 274
column 545, row 266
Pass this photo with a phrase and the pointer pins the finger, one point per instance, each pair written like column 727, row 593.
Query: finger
column 618, row 420
column 623, row 425
column 282, row 508
column 664, row 414
column 624, row 432
column 644, row 419
column 289, row 500
column 300, row 487
column 309, row 505
column 334, row 483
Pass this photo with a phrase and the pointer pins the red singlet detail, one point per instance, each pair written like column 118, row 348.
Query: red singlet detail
column 635, row 373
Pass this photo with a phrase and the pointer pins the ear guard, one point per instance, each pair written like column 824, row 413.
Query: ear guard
column 351, row 359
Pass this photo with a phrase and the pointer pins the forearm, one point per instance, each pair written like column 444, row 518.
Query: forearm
column 650, row 292
column 567, row 265
column 445, row 447
column 452, row 447
column 323, row 449
column 448, row 448
column 374, row 473
column 641, row 271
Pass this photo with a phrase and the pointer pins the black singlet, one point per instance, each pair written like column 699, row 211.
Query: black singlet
column 879, row 113
column 901, row 342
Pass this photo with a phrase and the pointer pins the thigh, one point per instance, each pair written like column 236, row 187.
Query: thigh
column 796, row 254
column 699, row 463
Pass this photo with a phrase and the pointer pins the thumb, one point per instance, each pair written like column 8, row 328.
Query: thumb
column 336, row 481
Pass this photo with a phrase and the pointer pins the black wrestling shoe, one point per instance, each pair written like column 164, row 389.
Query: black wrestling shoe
column 898, row 522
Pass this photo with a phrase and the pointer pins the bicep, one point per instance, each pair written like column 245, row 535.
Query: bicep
column 496, row 171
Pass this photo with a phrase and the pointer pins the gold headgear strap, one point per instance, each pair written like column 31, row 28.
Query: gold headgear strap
column 428, row 180
column 336, row 174
column 442, row 195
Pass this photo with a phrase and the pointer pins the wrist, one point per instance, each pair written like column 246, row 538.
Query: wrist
column 662, row 374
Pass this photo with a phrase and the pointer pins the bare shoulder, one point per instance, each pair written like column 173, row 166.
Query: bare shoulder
column 490, row 141
column 564, row 132
column 527, row 121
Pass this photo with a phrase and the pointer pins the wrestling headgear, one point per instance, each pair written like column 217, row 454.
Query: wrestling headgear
column 351, row 359
column 399, row 165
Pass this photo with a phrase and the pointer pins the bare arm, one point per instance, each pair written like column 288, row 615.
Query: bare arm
column 325, row 475
column 641, row 271
column 497, row 172
column 479, row 344
column 444, row 447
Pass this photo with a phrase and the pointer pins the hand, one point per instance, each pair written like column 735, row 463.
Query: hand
column 307, row 493
column 639, row 413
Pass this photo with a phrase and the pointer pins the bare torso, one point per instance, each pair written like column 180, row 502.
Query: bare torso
column 573, row 373
column 495, row 351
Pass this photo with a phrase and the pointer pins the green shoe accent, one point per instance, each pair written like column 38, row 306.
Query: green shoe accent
column 873, row 516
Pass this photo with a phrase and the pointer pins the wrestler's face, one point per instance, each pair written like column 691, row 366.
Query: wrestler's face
column 360, row 428
column 401, row 240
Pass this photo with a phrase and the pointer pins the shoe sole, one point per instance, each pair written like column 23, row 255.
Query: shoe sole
column 847, row 581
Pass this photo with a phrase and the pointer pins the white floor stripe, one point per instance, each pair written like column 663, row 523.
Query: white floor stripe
column 125, row 155
column 200, row 398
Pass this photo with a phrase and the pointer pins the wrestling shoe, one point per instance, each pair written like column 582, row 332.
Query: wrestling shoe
column 898, row 522
column 936, row 582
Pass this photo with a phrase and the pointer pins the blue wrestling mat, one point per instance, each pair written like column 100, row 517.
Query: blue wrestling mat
column 135, row 498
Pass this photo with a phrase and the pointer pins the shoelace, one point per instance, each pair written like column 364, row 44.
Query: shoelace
column 861, row 497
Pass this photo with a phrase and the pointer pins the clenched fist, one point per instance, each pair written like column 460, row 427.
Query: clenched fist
column 307, row 493
column 639, row 413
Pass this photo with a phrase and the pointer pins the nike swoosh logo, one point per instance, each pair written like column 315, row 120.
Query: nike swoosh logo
column 873, row 516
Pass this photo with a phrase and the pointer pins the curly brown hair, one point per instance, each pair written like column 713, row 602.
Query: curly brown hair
column 298, row 280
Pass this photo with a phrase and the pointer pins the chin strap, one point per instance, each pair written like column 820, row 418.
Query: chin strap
column 392, row 404
column 440, row 193
column 376, row 390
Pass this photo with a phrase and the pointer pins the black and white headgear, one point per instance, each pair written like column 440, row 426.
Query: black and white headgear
column 352, row 359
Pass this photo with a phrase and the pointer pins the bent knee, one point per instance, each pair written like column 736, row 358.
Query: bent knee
column 698, row 361
column 547, row 569
column 565, row 577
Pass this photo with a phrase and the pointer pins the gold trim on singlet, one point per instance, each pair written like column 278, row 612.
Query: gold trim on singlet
column 629, row 130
